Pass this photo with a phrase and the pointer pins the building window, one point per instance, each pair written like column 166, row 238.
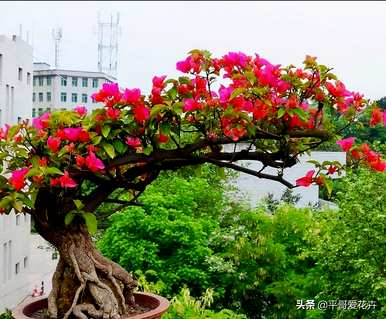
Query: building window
column 17, row 268
column 40, row 111
column 18, row 120
column 48, row 96
column 40, row 97
column 63, row 80
column 17, row 219
column 28, row 78
column 84, row 82
column 74, row 97
column 33, row 112
column 84, row 98
column 74, row 81
column 63, row 97
column 34, row 97
column 41, row 81
column 20, row 74
column 34, row 81
column 25, row 262
column 94, row 83
column 49, row 80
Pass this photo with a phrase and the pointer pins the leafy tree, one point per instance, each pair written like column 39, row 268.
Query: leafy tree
column 352, row 251
column 66, row 164
column 168, row 237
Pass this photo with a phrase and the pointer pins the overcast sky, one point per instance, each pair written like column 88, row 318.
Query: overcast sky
column 349, row 36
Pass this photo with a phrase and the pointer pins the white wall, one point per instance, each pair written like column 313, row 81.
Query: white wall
column 256, row 189
column 15, row 92
column 14, row 248
column 15, row 102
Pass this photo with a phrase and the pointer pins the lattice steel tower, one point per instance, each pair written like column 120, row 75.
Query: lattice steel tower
column 108, row 34
column 57, row 36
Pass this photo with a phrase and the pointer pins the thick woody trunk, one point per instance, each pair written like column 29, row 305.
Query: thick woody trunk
column 86, row 284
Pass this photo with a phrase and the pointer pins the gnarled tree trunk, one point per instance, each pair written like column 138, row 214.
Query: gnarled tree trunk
column 85, row 283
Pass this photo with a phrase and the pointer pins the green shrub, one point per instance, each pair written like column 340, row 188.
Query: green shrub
column 184, row 306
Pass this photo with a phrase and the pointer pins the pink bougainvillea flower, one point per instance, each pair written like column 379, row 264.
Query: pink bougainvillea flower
column 133, row 141
column 376, row 116
column 378, row 165
column 185, row 65
column 306, row 180
column 339, row 90
column 66, row 181
column 158, row 81
column 80, row 161
column 17, row 179
column 81, row 110
column 132, row 96
column 93, row 163
column 42, row 121
column 346, row 143
column 55, row 182
column 225, row 94
column 18, row 138
column 108, row 94
column 43, row 162
column 84, row 136
column 53, row 143
column 233, row 59
column 191, row 105
column 163, row 138
column 113, row 113
column 332, row 169
column 141, row 113
column 4, row 131
column 72, row 133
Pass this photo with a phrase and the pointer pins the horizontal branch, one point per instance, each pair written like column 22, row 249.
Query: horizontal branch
column 248, row 171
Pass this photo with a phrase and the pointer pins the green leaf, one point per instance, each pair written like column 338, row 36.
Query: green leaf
column 157, row 109
column 165, row 128
column 78, row 203
column 53, row 171
column 236, row 92
column 329, row 186
column 301, row 113
column 106, row 130
column 109, row 149
column 148, row 149
column 316, row 163
column 33, row 172
column 12, row 131
column 172, row 93
column 68, row 218
column 281, row 112
column 91, row 222
column 96, row 140
column 120, row 147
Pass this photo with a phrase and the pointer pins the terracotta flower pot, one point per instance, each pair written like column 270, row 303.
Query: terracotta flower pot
column 158, row 306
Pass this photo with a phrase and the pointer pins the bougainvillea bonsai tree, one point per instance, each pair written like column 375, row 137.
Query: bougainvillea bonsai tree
column 65, row 165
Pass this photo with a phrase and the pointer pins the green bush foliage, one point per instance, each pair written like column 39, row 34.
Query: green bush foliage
column 254, row 262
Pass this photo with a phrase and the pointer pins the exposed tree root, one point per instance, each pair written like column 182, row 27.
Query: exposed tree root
column 87, row 285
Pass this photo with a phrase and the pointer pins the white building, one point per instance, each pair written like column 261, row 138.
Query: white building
column 64, row 89
column 15, row 79
column 15, row 103
column 255, row 189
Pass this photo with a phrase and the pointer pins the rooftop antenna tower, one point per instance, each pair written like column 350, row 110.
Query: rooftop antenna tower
column 57, row 36
column 108, row 34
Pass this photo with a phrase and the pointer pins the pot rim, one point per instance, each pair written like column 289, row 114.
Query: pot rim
column 163, row 305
